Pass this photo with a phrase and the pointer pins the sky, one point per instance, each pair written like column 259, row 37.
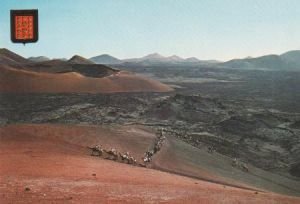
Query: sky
column 206, row 29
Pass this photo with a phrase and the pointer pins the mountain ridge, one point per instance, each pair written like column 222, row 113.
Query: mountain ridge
column 289, row 60
column 150, row 59
column 9, row 57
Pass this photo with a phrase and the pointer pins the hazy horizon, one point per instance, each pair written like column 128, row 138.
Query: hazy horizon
column 207, row 30
column 137, row 57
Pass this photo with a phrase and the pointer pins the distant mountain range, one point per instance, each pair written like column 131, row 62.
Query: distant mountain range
column 148, row 60
column 287, row 61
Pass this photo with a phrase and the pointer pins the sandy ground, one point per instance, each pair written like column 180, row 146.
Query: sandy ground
column 21, row 81
column 52, row 166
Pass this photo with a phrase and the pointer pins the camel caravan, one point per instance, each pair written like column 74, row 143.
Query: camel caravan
column 113, row 154
column 157, row 146
column 211, row 149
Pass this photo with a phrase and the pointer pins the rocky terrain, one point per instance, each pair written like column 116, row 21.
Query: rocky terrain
column 267, row 139
column 233, row 127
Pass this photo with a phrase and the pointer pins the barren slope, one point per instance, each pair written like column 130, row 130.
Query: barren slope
column 48, row 164
column 21, row 81
column 181, row 158
column 8, row 57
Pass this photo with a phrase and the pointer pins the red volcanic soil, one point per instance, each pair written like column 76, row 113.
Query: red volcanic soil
column 49, row 164
column 21, row 81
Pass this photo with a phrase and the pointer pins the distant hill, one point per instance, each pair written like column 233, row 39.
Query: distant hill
column 292, row 57
column 266, row 62
column 76, row 59
column 156, row 59
column 9, row 57
column 105, row 59
column 39, row 59
column 192, row 59
column 61, row 59
column 151, row 57
column 287, row 61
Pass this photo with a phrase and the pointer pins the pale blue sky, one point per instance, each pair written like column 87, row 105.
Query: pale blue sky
column 207, row 29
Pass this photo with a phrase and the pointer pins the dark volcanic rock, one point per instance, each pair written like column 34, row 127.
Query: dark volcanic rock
column 295, row 170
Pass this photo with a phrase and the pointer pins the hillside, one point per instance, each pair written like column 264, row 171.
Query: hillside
column 17, row 80
column 287, row 61
column 46, row 163
column 76, row 59
column 77, row 75
column 8, row 57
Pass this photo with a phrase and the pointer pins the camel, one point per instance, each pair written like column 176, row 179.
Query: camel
column 96, row 151
column 234, row 162
column 125, row 157
column 211, row 149
column 245, row 167
column 113, row 154
column 147, row 159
